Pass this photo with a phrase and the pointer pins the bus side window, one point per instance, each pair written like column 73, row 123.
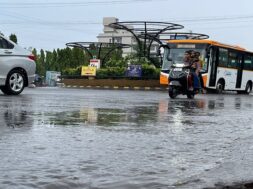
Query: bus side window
column 251, row 58
column 223, row 57
column 232, row 62
column 248, row 62
column 251, row 65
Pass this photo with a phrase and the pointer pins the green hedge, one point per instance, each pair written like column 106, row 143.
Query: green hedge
column 148, row 72
column 72, row 71
column 110, row 72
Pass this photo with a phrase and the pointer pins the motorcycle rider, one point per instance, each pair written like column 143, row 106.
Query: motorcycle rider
column 196, row 66
column 187, row 58
column 188, row 61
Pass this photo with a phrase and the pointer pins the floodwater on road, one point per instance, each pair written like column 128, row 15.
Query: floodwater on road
column 56, row 138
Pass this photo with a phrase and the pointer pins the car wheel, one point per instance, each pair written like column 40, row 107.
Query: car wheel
column 15, row 83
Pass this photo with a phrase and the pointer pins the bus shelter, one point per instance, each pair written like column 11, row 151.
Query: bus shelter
column 98, row 50
column 141, row 31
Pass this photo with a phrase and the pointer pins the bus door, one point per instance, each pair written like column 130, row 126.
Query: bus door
column 213, row 63
column 239, row 67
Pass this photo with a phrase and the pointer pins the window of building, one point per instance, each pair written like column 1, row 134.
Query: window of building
column 153, row 48
column 117, row 39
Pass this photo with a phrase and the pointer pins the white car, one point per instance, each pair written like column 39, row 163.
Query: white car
column 17, row 67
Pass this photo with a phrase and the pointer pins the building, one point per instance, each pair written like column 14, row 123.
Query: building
column 112, row 35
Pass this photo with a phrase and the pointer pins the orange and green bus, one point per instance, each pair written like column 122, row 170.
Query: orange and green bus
column 224, row 67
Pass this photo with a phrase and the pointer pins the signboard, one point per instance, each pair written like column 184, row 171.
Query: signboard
column 179, row 37
column 134, row 71
column 95, row 63
column 186, row 46
column 88, row 71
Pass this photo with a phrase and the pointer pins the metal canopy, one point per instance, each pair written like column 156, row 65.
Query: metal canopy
column 166, row 36
column 145, row 26
column 141, row 29
column 98, row 46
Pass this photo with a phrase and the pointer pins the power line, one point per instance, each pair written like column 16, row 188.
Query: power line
column 6, row 22
column 223, row 20
column 225, row 27
column 71, row 4
column 207, row 19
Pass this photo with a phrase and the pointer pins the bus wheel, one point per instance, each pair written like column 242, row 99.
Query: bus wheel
column 220, row 87
column 248, row 88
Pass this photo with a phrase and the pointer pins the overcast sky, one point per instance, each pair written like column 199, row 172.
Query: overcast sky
column 49, row 24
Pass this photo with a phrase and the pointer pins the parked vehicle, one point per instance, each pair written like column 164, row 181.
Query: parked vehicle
column 17, row 67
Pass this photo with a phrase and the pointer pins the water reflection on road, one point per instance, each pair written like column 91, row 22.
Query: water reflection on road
column 66, row 138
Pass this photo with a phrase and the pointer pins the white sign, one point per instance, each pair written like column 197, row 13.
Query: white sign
column 186, row 46
column 95, row 63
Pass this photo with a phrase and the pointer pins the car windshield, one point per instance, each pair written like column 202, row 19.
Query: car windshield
column 176, row 56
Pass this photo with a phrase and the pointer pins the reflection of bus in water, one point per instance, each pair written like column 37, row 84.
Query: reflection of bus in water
column 224, row 67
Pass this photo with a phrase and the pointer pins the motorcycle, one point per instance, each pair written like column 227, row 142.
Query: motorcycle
column 181, row 81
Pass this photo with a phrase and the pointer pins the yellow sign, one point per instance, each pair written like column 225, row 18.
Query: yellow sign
column 88, row 71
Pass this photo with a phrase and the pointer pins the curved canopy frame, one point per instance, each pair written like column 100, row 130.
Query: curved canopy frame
column 166, row 36
column 141, row 29
column 87, row 47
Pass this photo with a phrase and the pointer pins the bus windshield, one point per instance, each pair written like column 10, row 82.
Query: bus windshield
column 176, row 56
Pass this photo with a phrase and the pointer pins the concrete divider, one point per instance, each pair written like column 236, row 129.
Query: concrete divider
column 125, row 84
column 118, row 88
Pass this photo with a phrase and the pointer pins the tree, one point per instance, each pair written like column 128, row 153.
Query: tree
column 34, row 52
column 41, row 63
column 13, row 38
column 78, row 57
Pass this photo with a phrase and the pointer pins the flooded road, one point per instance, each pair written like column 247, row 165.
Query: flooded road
column 53, row 138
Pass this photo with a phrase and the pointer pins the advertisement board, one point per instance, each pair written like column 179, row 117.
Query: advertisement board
column 134, row 71
column 88, row 71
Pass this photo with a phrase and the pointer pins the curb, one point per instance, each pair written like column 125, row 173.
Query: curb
column 117, row 88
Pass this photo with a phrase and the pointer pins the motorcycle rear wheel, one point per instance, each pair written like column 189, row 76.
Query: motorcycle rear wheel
column 190, row 95
column 172, row 92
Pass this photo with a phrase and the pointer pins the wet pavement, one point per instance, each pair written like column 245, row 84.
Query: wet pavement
column 55, row 138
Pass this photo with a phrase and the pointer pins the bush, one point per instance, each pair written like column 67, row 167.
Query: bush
column 133, row 59
column 110, row 72
column 150, row 72
column 115, row 63
column 72, row 71
column 102, row 73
